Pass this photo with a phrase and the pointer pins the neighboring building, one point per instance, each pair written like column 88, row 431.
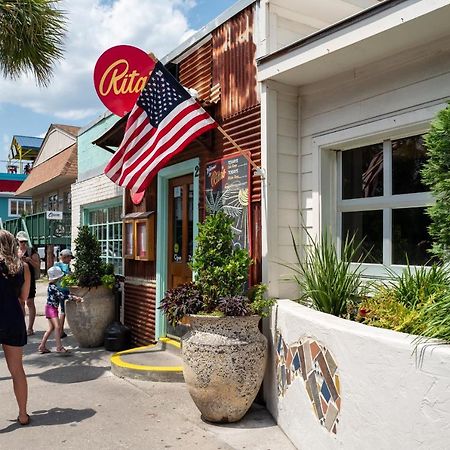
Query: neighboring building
column 12, row 207
column 49, row 185
column 22, row 154
column 96, row 201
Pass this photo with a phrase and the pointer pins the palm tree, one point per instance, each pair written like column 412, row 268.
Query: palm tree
column 31, row 38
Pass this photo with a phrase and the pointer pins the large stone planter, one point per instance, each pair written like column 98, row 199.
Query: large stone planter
column 224, row 359
column 88, row 320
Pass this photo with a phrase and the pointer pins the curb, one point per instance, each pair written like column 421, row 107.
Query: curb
column 124, row 369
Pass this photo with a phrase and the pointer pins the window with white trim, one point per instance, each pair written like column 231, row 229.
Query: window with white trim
column 382, row 200
column 106, row 224
column 19, row 207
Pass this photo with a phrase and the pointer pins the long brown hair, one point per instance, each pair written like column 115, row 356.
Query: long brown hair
column 8, row 252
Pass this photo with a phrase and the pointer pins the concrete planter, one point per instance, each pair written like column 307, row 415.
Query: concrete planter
column 88, row 320
column 224, row 359
column 336, row 384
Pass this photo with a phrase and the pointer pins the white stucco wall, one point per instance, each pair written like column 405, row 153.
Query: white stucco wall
column 92, row 190
column 389, row 398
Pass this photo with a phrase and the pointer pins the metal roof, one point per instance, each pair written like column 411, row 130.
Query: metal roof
column 28, row 141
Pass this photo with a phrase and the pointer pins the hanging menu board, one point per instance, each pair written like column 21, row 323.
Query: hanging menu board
column 227, row 188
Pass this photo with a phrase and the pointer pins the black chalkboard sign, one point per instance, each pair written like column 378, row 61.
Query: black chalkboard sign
column 227, row 188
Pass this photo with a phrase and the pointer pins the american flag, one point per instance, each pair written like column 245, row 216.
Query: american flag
column 163, row 121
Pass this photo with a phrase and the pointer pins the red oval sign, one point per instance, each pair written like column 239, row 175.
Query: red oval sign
column 120, row 75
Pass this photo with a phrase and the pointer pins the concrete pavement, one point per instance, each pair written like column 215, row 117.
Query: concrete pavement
column 76, row 403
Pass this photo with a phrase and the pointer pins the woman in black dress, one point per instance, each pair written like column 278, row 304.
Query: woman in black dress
column 14, row 288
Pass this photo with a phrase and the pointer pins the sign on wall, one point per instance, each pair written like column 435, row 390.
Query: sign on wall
column 120, row 74
column 54, row 215
column 227, row 188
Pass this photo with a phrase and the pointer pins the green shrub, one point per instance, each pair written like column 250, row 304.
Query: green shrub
column 219, row 269
column 417, row 285
column 327, row 281
column 385, row 311
column 435, row 174
column 436, row 318
column 220, row 275
column 411, row 302
column 89, row 269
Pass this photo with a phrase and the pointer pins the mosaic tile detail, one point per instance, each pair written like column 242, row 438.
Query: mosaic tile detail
column 311, row 361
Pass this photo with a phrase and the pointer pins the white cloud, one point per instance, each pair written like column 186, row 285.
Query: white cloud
column 94, row 26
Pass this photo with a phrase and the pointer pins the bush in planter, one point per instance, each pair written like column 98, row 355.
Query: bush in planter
column 221, row 272
column 92, row 280
column 417, row 302
column 89, row 269
column 224, row 353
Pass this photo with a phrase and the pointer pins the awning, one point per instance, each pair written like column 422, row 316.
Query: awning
column 112, row 137
column 55, row 172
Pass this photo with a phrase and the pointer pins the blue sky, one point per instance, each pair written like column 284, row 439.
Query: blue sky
column 93, row 26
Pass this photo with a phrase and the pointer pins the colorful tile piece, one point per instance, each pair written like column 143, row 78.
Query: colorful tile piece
column 310, row 360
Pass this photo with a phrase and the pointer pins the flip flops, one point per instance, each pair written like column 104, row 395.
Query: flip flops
column 62, row 351
column 27, row 422
column 44, row 350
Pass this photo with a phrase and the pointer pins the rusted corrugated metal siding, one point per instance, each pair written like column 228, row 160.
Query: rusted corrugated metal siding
column 139, row 312
column 228, row 61
column 234, row 64
column 195, row 71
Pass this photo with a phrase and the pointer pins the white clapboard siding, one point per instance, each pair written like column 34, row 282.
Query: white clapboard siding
column 56, row 141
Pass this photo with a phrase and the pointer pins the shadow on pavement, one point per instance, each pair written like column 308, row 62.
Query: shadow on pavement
column 72, row 373
column 54, row 416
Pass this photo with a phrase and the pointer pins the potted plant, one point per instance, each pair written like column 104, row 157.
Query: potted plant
column 224, row 353
column 93, row 281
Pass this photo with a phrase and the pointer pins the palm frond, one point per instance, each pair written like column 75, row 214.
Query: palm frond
column 32, row 34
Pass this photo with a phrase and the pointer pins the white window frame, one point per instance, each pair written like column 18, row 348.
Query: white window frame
column 386, row 203
column 325, row 148
column 93, row 227
column 17, row 201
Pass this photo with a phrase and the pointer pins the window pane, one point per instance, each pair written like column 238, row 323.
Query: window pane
column 362, row 172
column 408, row 156
column 410, row 238
column 367, row 225
column 177, row 223
column 191, row 222
column 13, row 207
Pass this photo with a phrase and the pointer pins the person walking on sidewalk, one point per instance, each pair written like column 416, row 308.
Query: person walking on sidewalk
column 54, row 298
column 31, row 257
column 65, row 256
column 14, row 287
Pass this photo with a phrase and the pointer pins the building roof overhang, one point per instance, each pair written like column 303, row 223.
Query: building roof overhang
column 55, row 172
column 387, row 29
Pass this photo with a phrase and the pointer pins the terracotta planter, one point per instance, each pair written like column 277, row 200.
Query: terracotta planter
column 224, row 359
column 88, row 320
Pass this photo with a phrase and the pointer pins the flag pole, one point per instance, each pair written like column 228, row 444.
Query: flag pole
column 258, row 170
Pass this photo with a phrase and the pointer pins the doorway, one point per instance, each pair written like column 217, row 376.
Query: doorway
column 180, row 238
column 180, row 230
column 177, row 220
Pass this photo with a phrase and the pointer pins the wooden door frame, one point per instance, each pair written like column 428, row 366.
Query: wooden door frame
column 164, row 175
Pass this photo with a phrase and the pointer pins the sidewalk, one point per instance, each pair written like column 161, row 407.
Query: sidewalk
column 76, row 402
